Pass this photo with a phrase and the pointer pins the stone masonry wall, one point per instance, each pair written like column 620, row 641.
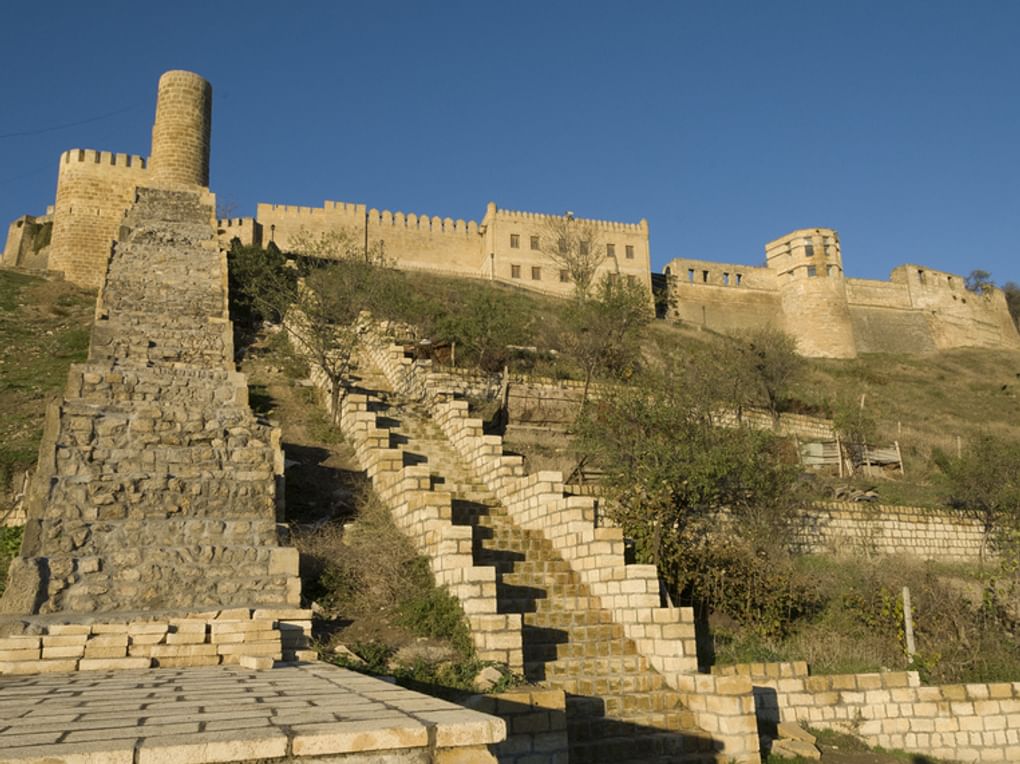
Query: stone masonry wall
column 962, row 722
column 804, row 292
column 877, row 529
column 536, row 723
column 94, row 190
column 156, row 487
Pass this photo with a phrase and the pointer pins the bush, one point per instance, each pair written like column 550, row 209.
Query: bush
column 10, row 545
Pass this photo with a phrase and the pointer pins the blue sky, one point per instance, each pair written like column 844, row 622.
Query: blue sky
column 725, row 124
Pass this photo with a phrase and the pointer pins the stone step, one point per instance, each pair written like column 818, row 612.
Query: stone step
column 568, row 619
column 97, row 386
column 69, row 534
column 135, row 496
column 160, row 578
column 556, row 581
column 649, row 746
column 589, row 667
column 614, row 712
column 608, row 687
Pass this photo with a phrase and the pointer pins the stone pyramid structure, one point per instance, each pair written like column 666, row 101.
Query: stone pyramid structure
column 156, row 487
column 151, row 537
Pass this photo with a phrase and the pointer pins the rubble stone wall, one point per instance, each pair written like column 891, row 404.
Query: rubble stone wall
column 156, row 487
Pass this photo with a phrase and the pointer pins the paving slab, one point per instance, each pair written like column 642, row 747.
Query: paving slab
column 226, row 714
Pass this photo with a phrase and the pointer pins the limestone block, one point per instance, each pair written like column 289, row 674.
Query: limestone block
column 256, row 662
column 355, row 736
column 113, row 664
column 38, row 666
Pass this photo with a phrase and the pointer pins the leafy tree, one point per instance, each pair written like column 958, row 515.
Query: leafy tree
column 315, row 301
column 776, row 366
column 486, row 324
column 334, row 244
column 602, row 333
column 672, row 475
column 576, row 246
column 985, row 482
column 979, row 281
column 1012, row 292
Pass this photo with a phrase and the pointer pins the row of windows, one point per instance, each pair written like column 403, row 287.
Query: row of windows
column 949, row 279
column 812, row 271
column 536, row 274
column 515, row 243
column 738, row 277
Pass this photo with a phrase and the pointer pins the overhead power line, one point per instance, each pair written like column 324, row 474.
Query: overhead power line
column 54, row 128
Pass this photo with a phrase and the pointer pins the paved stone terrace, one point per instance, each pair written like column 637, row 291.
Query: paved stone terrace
column 310, row 712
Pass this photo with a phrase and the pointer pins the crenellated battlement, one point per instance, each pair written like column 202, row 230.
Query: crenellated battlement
column 105, row 158
column 929, row 278
column 423, row 223
column 234, row 222
column 542, row 218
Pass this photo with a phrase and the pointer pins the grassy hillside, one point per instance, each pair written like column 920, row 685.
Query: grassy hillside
column 44, row 328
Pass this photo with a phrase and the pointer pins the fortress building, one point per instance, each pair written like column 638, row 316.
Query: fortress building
column 801, row 289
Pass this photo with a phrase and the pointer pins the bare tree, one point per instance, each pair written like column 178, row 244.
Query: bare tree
column 315, row 298
column 576, row 246
column 335, row 244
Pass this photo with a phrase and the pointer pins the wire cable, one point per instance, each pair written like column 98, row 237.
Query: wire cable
column 40, row 131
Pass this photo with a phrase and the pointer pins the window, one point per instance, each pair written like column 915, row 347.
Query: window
column 704, row 277
column 920, row 276
column 610, row 250
column 564, row 276
column 613, row 277
column 515, row 241
column 812, row 271
column 534, row 242
column 629, row 251
column 631, row 279
column 740, row 278
column 725, row 279
column 828, row 270
column 583, row 247
column 809, row 249
column 562, row 246
column 690, row 275
column 536, row 273
column 515, row 271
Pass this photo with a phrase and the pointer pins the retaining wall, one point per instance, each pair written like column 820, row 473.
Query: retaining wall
column 961, row 722
column 877, row 529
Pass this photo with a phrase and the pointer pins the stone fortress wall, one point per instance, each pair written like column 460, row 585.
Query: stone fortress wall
column 803, row 290
column 94, row 190
column 504, row 246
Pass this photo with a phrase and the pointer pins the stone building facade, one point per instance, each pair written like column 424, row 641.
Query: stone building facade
column 803, row 290
column 506, row 246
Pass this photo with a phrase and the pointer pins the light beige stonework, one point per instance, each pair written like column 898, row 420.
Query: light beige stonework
column 803, row 291
column 505, row 247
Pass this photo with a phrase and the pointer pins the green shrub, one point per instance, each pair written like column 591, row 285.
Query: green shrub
column 10, row 545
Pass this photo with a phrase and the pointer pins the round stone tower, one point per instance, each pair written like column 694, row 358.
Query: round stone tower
column 809, row 275
column 180, row 134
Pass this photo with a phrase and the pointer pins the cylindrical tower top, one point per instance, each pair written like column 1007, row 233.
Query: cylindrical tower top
column 180, row 134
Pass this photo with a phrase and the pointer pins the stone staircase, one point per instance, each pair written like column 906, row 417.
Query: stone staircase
column 156, row 487
column 619, row 709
